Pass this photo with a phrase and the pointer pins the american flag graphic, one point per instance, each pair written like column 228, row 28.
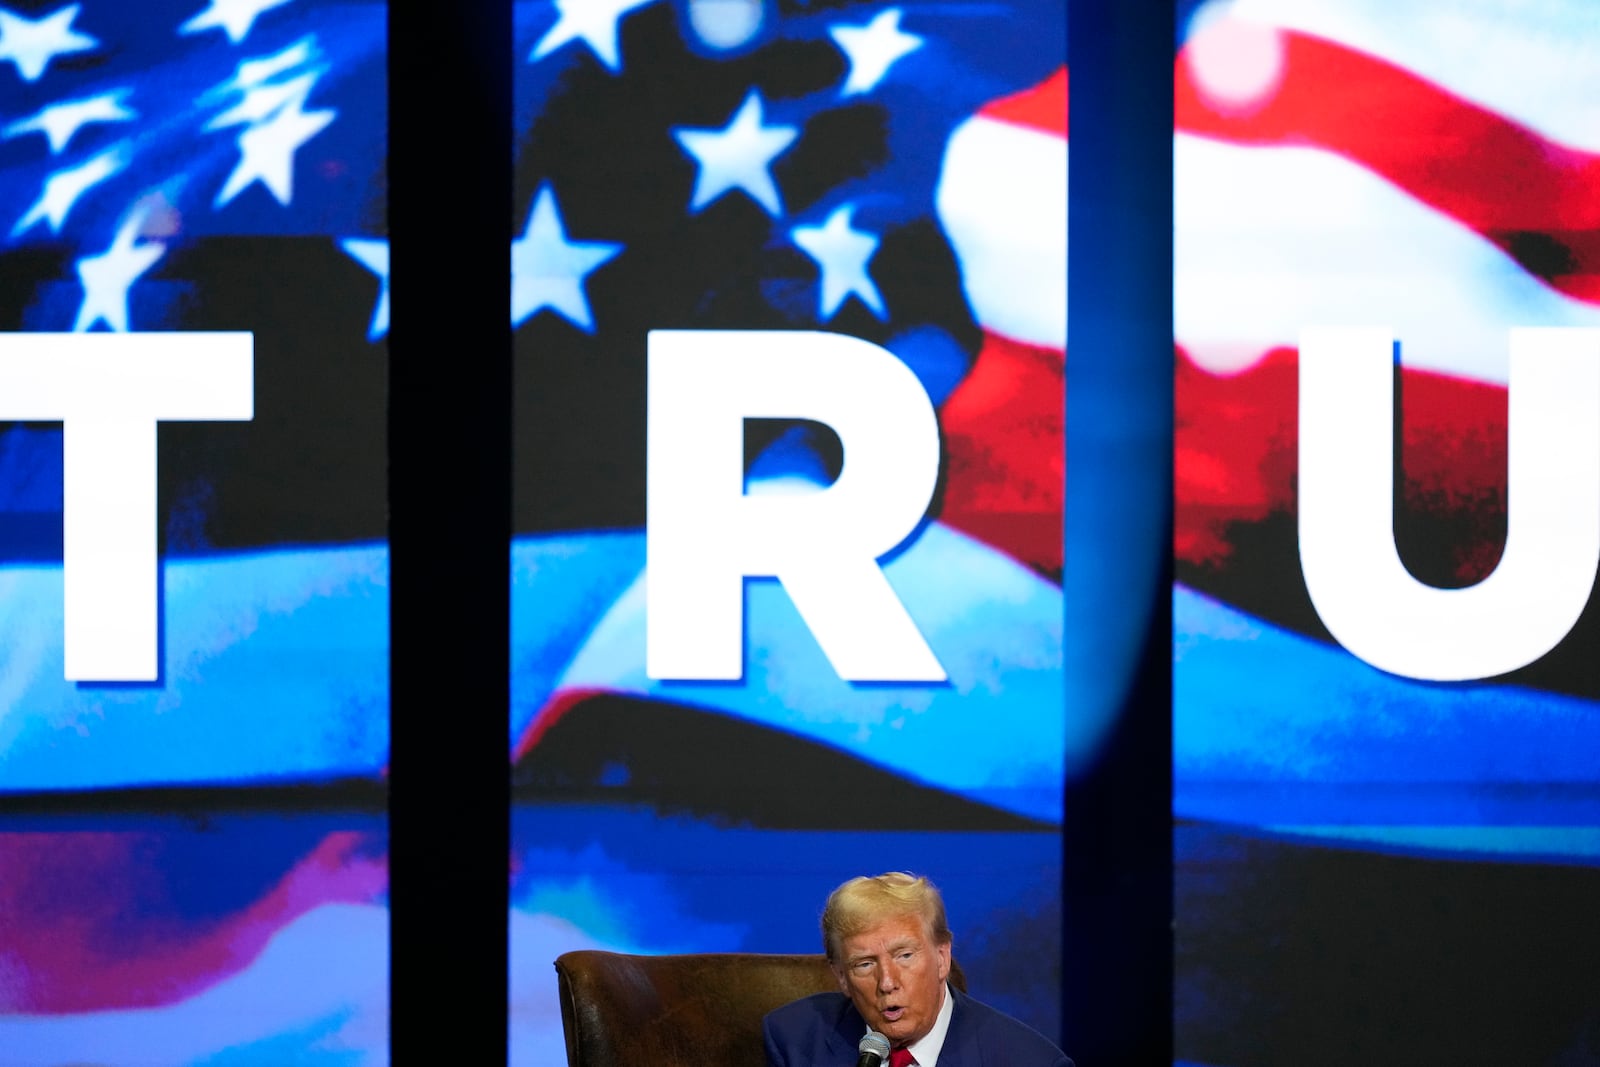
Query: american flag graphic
column 202, row 165
column 207, row 166
column 836, row 171
column 1345, row 836
column 1430, row 168
column 892, row 171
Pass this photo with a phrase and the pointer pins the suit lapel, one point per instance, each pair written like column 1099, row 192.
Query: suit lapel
column 961, row 1047
column 846, row 1035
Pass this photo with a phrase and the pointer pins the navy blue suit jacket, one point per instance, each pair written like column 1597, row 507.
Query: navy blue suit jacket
column 824, row 1030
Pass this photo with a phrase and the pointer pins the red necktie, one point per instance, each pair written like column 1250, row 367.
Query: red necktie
column 901, row 1057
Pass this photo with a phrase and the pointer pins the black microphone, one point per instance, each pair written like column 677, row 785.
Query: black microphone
column 874, row 1049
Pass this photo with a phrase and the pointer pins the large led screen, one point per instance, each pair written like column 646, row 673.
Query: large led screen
column 192, row 851
column 841, row 207
column 1387, row 716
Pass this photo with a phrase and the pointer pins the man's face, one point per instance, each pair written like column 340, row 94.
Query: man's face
column 894, row 974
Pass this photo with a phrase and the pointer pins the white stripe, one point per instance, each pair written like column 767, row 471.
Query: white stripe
column 1536, row 61
column 1269, row 241
column 1002, row 198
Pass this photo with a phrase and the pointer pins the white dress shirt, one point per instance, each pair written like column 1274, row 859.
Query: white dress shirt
column 927, row 1050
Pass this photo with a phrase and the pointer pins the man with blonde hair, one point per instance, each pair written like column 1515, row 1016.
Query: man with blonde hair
column 888, row 943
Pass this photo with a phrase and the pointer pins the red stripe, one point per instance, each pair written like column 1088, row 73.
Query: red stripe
column 1539, row 201
column 555, row 708
column 1236, row 443
column 1043, row 107
column 1004, row 430
column 98, row 921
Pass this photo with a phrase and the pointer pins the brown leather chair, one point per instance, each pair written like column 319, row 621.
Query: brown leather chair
column 680, row 1011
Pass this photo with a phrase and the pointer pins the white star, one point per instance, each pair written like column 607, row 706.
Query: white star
column 253, row 72
column 235, row 17
column 373, row 255
column 842, row 253
column 737, row 156
column 107, row 277
column 592, row 21
column 62, row 189
column 59, row 122
column 32, row 44
column 872, row 49
column 261, row 101
column 548, row 270
column 267, row 152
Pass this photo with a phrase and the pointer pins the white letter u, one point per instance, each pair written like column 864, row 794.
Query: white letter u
column 1358, row 585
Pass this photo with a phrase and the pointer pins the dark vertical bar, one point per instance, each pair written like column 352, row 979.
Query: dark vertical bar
column 1117, row 882
column 450, row 526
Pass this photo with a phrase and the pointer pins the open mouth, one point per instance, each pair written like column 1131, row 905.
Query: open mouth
column 893, row 1015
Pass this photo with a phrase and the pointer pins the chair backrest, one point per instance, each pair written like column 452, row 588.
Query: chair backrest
column 700, row 1010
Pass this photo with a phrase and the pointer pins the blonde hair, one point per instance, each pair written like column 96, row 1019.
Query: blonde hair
column 862, row 903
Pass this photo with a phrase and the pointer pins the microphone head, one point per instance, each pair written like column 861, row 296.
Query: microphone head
column 874, row 1043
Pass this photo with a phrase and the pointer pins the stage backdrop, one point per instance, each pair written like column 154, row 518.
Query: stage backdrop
column 896, row 173
column 193, row 869
column 1387, row 797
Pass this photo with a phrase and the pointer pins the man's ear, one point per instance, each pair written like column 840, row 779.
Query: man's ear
column 944, row 960
column 839, row 976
